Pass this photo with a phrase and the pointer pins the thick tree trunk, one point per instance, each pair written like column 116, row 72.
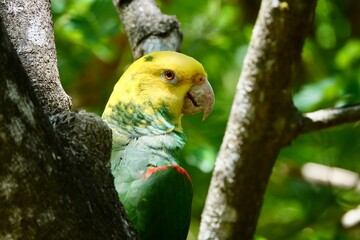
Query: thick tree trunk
column 55, row 180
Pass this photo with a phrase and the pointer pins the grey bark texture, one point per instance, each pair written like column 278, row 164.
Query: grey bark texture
column 29, row 25
column 55, row 181
column 147, row 28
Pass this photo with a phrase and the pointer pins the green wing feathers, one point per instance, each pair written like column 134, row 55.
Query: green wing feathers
column 159, row 203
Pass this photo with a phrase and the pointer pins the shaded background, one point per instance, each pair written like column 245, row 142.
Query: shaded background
column 93, row 51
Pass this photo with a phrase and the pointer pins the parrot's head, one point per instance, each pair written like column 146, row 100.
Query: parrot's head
column 157, row 89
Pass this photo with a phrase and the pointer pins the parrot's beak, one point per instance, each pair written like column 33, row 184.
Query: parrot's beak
column 199, row 98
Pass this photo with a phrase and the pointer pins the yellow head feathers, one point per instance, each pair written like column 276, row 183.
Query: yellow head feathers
column 164, row 80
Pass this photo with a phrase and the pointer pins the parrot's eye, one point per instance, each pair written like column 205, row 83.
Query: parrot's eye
column 169, row 76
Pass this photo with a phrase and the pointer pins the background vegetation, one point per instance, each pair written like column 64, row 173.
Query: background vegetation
column 93, row 51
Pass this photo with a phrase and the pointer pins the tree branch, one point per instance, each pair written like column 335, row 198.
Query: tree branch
column 148, row 30
column 29, row 25
column 262, row 120
column 326, row 118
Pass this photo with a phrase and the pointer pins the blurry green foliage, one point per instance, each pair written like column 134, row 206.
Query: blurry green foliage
column 93, row 52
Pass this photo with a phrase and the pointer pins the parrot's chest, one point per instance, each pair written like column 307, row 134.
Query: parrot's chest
column 139, row 153
column 155, row 190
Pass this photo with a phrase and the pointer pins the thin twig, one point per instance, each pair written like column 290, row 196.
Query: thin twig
column 326, row 118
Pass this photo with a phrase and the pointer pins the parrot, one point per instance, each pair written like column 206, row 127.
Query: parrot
column 144, row 113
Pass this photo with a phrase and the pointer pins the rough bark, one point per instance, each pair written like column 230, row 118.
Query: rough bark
column 55, row 180
column 147, row 28
column 262, row 120
column 29, row 24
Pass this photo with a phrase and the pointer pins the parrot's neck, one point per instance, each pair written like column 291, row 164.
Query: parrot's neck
column 142, row 120
column 138, row 136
